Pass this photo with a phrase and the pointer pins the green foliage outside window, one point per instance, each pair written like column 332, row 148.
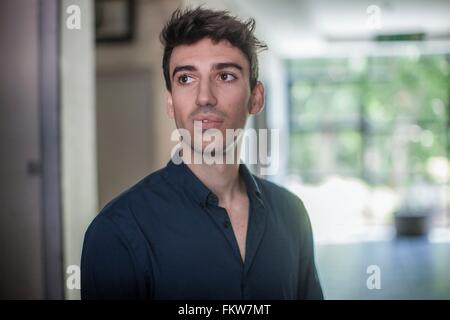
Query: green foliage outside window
column 382, row 119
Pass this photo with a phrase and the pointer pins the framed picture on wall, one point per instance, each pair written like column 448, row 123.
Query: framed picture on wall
column 114, row 20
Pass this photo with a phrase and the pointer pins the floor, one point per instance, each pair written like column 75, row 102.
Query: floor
column 410, row 268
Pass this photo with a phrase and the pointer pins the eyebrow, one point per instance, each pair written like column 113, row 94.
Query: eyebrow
column 225, row 65
column 183, row 68
column 216, row 66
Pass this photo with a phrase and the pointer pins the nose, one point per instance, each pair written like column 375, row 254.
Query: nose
column 205, row 94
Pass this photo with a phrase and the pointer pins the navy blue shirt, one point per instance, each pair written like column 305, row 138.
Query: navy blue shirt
column 167, row 238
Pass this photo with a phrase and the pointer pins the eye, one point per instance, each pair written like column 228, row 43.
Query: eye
column 184, row 79
column 225, row 76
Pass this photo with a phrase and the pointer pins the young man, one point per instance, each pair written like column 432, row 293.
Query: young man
column 200, row 230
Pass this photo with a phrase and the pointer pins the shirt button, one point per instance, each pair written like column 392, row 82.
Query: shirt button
column 212, row 198
column 226, row 224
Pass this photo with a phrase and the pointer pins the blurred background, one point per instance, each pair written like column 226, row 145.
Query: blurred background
column 359, row 91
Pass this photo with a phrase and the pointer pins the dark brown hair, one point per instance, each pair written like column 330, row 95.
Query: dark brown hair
column 192, row 25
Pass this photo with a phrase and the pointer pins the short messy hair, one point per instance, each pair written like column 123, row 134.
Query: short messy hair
column 189, row 26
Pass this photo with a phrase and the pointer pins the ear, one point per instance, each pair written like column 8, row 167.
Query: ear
column 169, row 104
column 257, row 99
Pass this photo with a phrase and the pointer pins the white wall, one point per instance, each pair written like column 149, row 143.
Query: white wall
column 78, row 145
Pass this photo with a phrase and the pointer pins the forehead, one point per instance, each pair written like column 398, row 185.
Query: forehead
column 206, row 52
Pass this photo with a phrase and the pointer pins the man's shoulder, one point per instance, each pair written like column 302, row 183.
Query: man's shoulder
column 273, row 191
column 145, row 186
column 139, row 197
column 284, row 203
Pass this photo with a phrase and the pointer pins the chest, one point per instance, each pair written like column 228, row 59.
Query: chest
column 238, row 214
column 196, row 257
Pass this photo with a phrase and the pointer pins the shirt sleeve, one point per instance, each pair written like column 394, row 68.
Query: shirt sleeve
column 309, row 287
column 107, row 266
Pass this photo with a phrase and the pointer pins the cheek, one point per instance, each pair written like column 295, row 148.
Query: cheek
column 183, row 104
column 237, row 103
column 181, row 97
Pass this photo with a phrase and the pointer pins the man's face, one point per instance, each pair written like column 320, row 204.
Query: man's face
column 210, row 84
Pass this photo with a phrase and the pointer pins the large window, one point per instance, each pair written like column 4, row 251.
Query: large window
column 381, row 121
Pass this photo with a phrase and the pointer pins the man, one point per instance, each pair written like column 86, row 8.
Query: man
column 200, row 230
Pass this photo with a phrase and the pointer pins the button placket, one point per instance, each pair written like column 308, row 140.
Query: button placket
column 222, row 220
column 226, row 224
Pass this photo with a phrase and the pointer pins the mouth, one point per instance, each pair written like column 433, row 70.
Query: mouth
column 208, row 122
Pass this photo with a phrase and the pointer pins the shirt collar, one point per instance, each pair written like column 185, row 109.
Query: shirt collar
column 181, row 175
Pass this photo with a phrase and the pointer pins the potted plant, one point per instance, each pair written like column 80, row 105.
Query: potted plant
column 414, row 215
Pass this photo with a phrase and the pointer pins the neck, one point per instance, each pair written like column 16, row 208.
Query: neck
column 222, row 179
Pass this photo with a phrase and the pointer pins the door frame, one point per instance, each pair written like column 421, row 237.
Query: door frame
column 49, row 108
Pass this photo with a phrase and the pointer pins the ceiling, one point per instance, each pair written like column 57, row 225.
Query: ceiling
column 302, row 27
